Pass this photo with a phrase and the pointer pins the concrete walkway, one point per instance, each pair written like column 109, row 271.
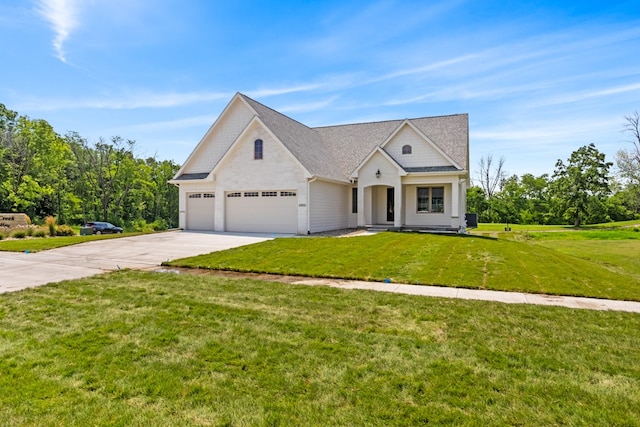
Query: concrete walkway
column 484, row 295
column 427, row 291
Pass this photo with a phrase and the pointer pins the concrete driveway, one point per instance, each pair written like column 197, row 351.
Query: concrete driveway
column 22, row 270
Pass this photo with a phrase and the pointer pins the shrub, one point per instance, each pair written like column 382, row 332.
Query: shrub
column 39, row 233
column 159, row 225
column 65, row 230
column 19, row 234
column 51, row 223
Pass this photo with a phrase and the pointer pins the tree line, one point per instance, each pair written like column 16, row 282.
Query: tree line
column 46, row 174
column 582, row 190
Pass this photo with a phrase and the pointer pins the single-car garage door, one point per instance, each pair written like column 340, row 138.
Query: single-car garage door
column 262, row 211
column 200, row 211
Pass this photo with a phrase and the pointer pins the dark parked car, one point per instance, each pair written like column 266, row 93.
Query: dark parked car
column 103, row 227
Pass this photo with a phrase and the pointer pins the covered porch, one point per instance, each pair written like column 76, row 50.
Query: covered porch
column 413, row 204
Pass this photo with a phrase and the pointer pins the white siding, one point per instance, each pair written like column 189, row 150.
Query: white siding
column 330, row 206
column 219, row 138
column 276, row 171
column 422, row 152
column 413, row 218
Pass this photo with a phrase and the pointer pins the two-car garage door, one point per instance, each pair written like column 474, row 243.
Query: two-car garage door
column 246, row 211
column 262, row 211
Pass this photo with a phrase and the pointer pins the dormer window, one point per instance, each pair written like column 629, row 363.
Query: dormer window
column 406, row 149
column 257, row 149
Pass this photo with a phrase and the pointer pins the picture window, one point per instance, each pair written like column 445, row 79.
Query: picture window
column 430, row 200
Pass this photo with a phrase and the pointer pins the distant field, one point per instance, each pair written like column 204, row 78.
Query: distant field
column 527, row 262
column 147, row 349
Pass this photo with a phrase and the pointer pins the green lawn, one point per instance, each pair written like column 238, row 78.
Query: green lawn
column 135, row 348
column 38, row 244
column 482, row 227
column 519, row 262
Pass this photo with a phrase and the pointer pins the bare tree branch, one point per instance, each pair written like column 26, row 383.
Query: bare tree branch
column 491, row 176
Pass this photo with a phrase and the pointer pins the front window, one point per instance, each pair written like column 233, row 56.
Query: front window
column 257, row 149
column 430, row 199
column 354, row 200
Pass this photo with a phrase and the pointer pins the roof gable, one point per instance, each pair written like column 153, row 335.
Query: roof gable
column 218, row 138
column 331, row 152
column 257, row 121
column 303, row 142
column 425, row 152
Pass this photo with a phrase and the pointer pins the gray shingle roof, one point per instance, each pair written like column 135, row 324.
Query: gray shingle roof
column 334, row 152
column 190, row 176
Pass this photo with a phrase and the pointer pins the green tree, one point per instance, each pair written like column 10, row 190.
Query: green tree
column 477, row 203
column 535, row 191
column 580, row 187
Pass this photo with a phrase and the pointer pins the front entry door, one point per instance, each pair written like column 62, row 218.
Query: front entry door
column 390, row 199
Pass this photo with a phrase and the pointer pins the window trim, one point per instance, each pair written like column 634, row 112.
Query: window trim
column 431, row 207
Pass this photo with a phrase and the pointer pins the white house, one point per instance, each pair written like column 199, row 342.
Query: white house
column 257, row 170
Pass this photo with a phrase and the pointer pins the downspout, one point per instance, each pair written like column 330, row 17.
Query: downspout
column 309, row 181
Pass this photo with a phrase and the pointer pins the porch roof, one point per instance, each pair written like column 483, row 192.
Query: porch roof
column 433, row 169
column 192, row 176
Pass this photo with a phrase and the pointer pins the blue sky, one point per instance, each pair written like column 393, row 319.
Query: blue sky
column 539, row 79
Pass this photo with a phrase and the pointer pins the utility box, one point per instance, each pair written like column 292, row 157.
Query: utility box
column 471, row 219
column 86, row 231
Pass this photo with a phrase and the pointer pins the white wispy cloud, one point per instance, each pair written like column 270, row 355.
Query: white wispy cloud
column 307, row 106
column 63, row 17
column 129, row 101
column 263, row 93
column 170, row 125
column 584, row 95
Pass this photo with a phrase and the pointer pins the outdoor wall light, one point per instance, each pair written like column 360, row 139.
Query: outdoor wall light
column 378, row 173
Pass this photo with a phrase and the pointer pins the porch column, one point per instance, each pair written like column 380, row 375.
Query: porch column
column 361, row 221
column 221, row 200
column 397, row 206
column 455, row 201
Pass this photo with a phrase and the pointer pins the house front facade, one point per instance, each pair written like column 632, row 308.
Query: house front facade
column 257, row 170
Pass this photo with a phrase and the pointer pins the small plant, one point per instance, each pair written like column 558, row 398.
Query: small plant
column 51, row 223
column 65, row 230
column 159, row 225
column 19, row 234
column 39, row 233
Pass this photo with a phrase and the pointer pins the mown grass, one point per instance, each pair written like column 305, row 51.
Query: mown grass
column 535, row 227
column 46, row 243
column 134, row 348
column 460, row 261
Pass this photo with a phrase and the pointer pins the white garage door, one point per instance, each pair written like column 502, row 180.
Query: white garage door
column 200, row 211
column 262, row 211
